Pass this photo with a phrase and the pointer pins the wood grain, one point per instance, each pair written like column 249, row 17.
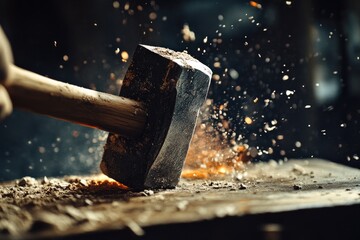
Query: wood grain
column 39, row 94
column 79, row 205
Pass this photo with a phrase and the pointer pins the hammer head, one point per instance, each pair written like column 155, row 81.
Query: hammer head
column 173, row 86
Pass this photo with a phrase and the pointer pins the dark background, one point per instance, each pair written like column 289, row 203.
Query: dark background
column 315, row 44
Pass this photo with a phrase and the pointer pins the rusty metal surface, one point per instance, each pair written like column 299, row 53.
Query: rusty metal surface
column 265, row 188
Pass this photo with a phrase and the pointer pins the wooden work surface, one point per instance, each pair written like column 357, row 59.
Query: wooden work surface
column 76, row 205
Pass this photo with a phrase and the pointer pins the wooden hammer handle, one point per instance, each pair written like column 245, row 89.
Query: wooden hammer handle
column 43, row 95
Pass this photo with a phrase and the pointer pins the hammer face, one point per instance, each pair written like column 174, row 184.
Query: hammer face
column 173, row 86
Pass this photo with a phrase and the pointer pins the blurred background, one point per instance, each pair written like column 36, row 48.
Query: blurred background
column 285, row 84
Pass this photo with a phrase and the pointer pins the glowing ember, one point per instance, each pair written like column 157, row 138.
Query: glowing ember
column 255, row 4
column 248, row 120
column 124, row 56
column 103, row 182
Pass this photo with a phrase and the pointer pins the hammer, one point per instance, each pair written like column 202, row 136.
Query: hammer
column 150, row 124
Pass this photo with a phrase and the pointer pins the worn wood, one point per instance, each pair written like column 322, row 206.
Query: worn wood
column 43, row 95
column 80, row 205
column 5, row 103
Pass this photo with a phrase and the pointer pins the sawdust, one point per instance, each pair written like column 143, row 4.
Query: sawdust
column 182, row 58
column 21, row 199
column 79, row 204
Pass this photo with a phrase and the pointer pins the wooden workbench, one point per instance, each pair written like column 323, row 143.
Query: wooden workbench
column 269, row 198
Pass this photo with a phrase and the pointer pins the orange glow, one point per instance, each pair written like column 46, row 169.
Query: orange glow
column 195, row 173
column 209, row 158
column 248, row 120
column 255, row 4
column 105, row 183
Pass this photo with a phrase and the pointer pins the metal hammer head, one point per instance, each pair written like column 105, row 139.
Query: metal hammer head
column 173, row 86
